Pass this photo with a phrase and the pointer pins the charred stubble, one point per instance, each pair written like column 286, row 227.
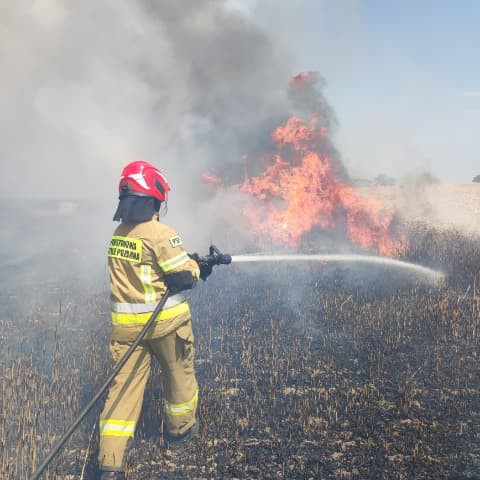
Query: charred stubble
column 330, row 379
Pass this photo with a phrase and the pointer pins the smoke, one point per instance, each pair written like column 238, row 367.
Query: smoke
column 191, row 86
column 305, row 92
column 87, row 87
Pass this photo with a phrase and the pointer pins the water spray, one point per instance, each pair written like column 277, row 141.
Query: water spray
column 428, row 273
column 216, row 257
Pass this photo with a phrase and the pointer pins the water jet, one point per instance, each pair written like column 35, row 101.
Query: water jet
column 428, row 273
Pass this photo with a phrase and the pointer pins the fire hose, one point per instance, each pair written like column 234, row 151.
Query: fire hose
column 215, row 257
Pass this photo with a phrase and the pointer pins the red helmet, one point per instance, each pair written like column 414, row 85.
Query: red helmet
column 144, row 180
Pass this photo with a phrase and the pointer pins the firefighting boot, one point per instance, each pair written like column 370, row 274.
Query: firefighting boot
column 175, row 442
column 111, row 475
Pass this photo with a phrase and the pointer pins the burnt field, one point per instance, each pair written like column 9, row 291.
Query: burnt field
column 306, row 372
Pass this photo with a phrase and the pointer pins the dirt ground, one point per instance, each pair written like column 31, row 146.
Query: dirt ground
column 308, row 372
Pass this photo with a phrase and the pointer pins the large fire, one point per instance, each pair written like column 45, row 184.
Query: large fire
column 300, row 190
column 303, row 187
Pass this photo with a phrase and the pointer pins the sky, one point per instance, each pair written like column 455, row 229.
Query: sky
column 402, row 76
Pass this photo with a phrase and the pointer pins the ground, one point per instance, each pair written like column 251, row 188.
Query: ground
column 305, row 372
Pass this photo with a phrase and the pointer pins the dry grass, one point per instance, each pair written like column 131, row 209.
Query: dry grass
column 325, row 373
column 440, row 206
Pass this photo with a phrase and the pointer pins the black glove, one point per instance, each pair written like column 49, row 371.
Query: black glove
column 205, row 266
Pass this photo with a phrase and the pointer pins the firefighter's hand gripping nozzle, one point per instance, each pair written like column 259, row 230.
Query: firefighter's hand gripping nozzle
column 214, row 257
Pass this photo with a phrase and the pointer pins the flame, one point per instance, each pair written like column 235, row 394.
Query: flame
column 301, row 189
column 212, row 180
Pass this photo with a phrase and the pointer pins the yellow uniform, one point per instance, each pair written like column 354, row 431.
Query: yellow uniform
column 143, row 259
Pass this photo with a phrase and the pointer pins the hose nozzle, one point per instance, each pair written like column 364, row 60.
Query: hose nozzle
column 219, row 257
column 225, row 259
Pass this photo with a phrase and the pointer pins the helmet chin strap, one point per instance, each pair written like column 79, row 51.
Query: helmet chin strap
column 159, row 211
column 163, row 210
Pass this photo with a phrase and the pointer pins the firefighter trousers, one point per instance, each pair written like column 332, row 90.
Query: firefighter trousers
column 118, row 421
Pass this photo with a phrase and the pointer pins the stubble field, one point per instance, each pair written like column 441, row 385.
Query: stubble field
column 325, row 372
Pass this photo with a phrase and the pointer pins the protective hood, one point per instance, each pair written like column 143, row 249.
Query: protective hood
column 135, row 209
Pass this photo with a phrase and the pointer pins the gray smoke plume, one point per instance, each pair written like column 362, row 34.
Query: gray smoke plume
column 88, row 86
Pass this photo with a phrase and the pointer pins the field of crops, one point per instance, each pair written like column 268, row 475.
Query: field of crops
column 305, row 372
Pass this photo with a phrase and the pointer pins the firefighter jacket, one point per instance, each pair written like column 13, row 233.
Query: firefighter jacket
column 140, row 257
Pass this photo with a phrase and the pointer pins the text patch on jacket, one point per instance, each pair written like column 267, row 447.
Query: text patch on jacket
column 126, row 248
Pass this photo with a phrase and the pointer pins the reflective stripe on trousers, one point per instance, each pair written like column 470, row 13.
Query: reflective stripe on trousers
column 181, row 408
column 117, row 428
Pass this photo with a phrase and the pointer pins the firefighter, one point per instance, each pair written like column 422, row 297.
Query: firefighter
column 145, row 257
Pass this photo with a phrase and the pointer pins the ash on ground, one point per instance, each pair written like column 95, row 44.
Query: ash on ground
column 314, row 376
